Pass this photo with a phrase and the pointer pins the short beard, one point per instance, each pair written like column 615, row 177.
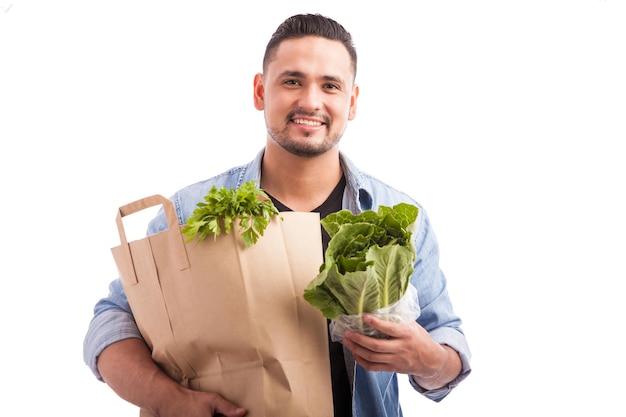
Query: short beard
column 299, row 148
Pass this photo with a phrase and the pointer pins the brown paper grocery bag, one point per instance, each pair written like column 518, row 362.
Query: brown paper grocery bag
column 220, row 317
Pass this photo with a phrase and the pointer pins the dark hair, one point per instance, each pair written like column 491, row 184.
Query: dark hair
column 302, row 25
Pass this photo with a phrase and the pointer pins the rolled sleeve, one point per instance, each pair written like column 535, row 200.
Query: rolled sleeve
column 105, row 329
column 112, row 322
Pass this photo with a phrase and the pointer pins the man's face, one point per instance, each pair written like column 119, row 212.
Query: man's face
column 308, row 95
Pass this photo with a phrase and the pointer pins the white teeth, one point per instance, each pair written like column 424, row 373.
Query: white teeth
column 307, row 122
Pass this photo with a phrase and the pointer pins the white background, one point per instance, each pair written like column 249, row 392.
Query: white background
column 505, row 119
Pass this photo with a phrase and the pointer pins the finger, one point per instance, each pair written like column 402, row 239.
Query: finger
column 223, row 407
column 370, row 360
column 366, row 345
column 230, row 410
column 386, row 327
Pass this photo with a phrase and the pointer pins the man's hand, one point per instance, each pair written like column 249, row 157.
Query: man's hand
column 408, row 350
column 201, row 404
column 128, row 368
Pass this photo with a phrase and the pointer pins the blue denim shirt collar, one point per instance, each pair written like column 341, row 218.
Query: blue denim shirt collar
column 357, row 197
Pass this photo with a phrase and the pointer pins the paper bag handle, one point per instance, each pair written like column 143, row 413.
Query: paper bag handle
column 178, row 246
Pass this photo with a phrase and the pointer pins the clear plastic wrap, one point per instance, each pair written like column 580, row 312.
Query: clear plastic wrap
column 405, row 310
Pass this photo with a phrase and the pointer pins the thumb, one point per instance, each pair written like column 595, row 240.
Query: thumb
column 225, row 408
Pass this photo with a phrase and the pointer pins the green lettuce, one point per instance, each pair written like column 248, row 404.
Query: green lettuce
column 368, row 262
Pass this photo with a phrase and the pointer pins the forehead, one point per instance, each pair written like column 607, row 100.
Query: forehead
column 312, row 55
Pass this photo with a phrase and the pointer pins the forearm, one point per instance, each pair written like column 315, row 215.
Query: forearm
column 447, row 369
column 127, row 367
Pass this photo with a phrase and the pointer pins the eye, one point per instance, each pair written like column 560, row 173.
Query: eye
column 291, row 82
column 331, row 86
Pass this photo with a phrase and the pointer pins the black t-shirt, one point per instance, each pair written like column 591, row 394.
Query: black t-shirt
column 342, row 394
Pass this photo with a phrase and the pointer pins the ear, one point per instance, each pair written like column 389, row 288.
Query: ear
column 353, row 100
column 259, row 92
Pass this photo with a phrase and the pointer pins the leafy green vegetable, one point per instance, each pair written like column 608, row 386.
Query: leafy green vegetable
column 368, row 262
column 221, row 209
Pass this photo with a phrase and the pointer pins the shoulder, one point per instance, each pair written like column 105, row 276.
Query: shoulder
column 369, row 191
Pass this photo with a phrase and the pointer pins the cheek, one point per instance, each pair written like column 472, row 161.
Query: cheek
column 274, row 104
column 275, row 111
column 345, row 112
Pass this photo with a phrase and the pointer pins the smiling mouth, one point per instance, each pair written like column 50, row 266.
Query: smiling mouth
column 305, row 122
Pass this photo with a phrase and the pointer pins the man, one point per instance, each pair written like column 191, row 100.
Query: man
column 308, row 94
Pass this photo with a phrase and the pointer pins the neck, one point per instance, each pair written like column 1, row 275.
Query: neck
column 300, row 183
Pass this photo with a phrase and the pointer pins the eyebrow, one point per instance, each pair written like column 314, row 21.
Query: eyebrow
column 300, row 74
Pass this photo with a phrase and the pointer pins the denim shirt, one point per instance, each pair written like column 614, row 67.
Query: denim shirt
column 374, row 393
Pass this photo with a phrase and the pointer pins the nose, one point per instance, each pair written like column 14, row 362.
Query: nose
column 311, row 98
